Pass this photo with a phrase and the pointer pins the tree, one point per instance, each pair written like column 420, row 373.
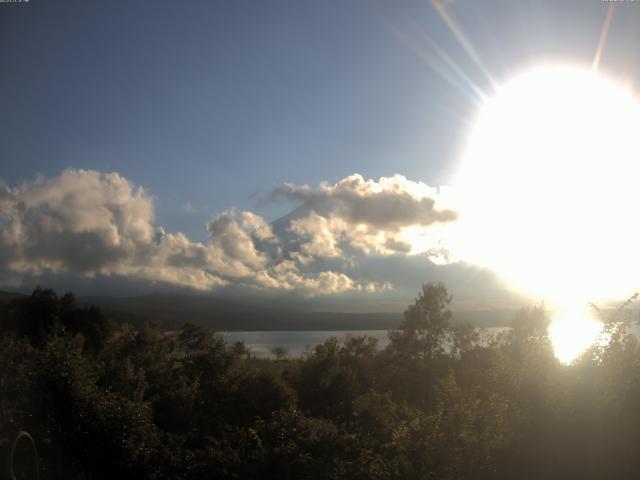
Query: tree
column 43, row 314
column 425, row 323
column 88, row 321
column 35, row 317
column 240, row 349
column 193, row 337
column 279, row 352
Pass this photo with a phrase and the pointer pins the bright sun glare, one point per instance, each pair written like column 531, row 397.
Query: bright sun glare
column 572, row 331
column 551, row 186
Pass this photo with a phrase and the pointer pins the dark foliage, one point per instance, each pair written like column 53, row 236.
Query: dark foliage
column 437, row 403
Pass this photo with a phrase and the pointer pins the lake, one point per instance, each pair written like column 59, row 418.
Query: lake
column 296, row 342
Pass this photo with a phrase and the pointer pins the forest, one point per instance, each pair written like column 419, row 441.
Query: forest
column 104, row 400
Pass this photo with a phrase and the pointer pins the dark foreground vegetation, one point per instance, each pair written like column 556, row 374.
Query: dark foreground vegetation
column 105, row 403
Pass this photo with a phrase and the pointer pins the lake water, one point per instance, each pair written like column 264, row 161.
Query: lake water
column 296, row 342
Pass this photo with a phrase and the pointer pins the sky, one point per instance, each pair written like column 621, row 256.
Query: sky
column 210, row 106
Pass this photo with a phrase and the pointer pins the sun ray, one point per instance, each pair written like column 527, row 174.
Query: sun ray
column 457, row 32
column 603, row 38
column 454, row 66
column 453, row 76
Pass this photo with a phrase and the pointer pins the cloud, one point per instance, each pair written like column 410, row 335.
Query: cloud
column 389, row 203
column 247, row 252
column 384, row 217
column 234, row 237
column 91, row 224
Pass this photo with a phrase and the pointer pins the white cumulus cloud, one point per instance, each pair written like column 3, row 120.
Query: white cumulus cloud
column 89, row 223
column 393, row 215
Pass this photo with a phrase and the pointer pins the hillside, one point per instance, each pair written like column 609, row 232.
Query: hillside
column 171, row 311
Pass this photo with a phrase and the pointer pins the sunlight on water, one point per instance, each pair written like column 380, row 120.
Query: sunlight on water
column 573, row 332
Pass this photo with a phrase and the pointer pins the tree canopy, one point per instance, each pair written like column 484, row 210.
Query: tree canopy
column 438, row 402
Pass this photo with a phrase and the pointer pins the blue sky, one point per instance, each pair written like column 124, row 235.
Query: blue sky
column 212, row 103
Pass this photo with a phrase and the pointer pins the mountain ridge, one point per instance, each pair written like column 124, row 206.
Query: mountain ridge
column 171, row 311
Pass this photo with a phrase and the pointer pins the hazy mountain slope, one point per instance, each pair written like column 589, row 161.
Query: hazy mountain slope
column 171, row 311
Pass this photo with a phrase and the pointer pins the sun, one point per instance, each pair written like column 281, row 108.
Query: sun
column 550, row 189
column 572, row 331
